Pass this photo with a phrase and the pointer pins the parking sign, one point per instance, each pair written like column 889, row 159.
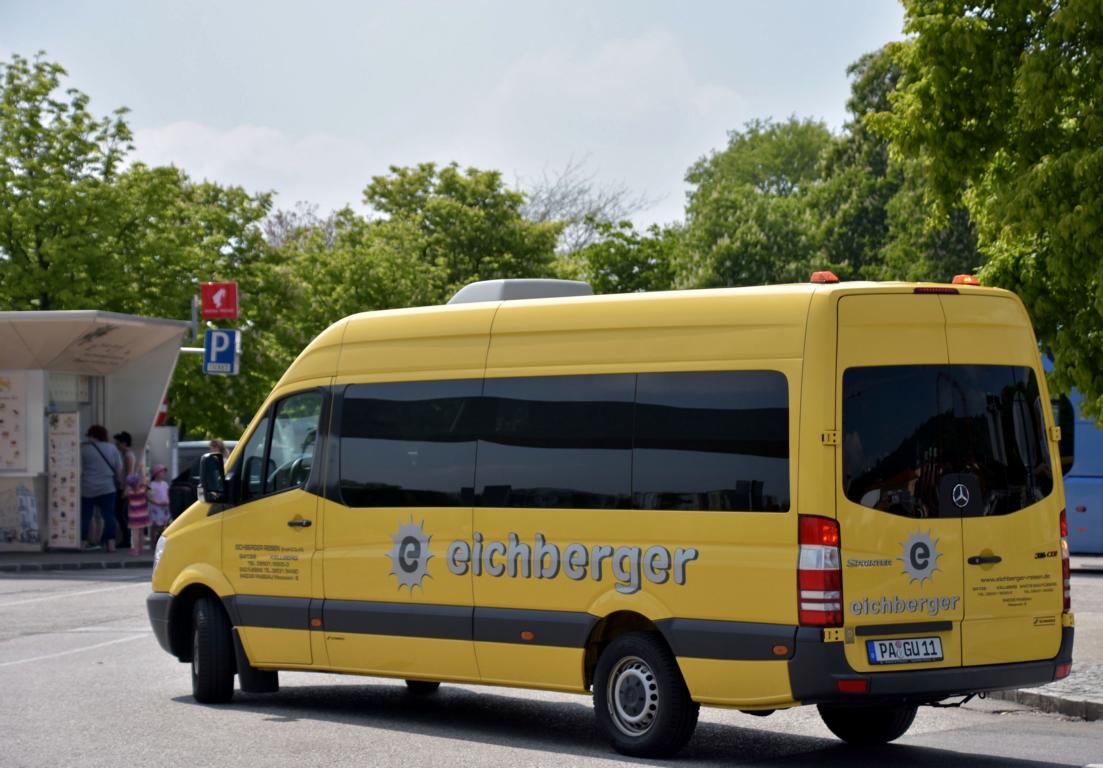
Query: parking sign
column 220, row 352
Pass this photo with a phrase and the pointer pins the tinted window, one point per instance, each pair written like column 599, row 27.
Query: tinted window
column 712, row 441
column 409, row 444
column 913, row 434
column 557, row 441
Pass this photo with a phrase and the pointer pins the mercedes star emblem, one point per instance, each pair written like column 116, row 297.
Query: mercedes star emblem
column 961, row 495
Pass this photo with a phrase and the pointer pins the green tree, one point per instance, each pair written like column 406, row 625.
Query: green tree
column 57, row 164
column 747, row 215
column 1000, row 103
column 77, row 231
column 470, row 224
column 622, row 260
column 874, row 220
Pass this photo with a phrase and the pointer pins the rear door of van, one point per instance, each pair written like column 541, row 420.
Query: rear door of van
column 901, row 549
column 947, row 499
column 1010, row 525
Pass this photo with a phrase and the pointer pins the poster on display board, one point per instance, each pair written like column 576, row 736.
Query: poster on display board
column 13, row 420
column 20, row 504
column 64, row 480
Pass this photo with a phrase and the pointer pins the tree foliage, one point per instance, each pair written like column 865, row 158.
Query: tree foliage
column 875, row 222
column 623, row 260
column 80, row 229
column 469, row 223
column 1001, row 104
column 747, row 216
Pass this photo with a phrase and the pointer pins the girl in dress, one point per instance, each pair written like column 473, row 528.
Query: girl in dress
column 158, row 503
column 138, row 511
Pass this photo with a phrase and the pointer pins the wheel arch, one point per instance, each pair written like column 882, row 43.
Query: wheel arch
column 180, row 618
column 608, row 629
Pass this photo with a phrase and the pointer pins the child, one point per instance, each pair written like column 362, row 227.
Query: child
column 158, row 503
column 137, row 511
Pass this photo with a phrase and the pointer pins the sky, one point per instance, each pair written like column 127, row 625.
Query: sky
column 310, row 100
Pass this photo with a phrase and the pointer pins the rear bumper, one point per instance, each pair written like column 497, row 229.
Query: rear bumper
column 159, row 605
column 817, row 667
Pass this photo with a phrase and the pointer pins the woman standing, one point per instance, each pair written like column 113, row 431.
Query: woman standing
column 101, row 474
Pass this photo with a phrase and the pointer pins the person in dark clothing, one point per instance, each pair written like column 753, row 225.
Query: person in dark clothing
column 101, row 472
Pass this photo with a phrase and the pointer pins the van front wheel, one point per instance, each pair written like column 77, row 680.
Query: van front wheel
column 865, row 725
column 212, row 658
column 641, row 701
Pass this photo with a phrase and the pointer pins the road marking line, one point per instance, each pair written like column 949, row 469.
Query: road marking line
column 69, row 652
column 73, row 594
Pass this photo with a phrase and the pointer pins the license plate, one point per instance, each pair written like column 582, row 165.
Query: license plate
column 907, row 650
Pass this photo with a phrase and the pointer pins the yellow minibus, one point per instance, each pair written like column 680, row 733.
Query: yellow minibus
column 845, row 494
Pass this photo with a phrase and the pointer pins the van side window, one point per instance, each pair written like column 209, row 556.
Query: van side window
column 252, row 462
column 557, row 441
column 712, row 441
column 409, row 444
column 294, row 436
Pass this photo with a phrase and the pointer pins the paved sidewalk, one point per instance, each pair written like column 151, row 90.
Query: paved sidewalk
column 20, row 562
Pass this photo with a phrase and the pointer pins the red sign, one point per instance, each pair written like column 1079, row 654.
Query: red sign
column 162, row 414
column 219, row 300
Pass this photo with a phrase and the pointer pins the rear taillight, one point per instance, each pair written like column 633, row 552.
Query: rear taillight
column 819, row 573
column 1066, row 576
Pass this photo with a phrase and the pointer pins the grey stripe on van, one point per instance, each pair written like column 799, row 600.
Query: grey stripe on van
column 732, row 640
column 566, row 629
column 693, row 638
column 443, row 622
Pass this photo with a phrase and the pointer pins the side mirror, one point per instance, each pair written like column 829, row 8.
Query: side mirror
column 212, row 478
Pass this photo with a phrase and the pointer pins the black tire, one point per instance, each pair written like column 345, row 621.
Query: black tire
column 640, row 699
column 422, row 687
column 212, row 664
column 867, row 725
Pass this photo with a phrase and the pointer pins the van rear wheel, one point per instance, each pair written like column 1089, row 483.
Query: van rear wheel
column 640, row 699
column 866, row 725
column 212, row 657
column 422, row 687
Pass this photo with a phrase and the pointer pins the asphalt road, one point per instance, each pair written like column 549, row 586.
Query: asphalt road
column 83, row 683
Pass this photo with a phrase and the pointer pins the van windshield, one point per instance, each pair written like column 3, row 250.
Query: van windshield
column 944, row 440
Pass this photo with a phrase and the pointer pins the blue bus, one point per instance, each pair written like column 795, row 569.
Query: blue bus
column 1084, row 479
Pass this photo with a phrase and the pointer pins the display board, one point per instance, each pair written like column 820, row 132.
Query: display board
column 64, row 480
column 21, row 500
column 13, row 420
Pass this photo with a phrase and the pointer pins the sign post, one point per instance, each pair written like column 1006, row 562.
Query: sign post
column 221, row 350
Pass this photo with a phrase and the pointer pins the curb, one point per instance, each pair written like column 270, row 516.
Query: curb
column 77, row 566
column 1070, row 706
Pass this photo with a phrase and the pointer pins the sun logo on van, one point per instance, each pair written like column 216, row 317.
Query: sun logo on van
column 920, row 556
column 410, row 554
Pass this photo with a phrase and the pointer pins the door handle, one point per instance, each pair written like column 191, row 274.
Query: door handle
column 299, row 523
column 984, row 559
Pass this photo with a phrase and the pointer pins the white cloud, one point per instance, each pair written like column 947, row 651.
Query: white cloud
column 633, row 110
column 319, row 168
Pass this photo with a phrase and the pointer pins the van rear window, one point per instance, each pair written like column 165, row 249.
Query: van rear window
column 944, row 440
